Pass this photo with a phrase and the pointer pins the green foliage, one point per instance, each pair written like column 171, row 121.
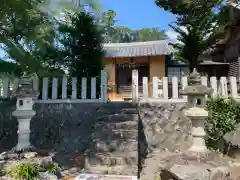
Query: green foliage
column 10, row 68
column 198, row 29
column 27, row 33
column 52, row 168
column 151, row 34
column 224, row 115
column 82, row 41
column 183, row 7
column 122, row 34
column 30, row 171
column 24, row 171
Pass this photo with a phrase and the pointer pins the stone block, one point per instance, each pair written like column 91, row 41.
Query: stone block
column 111, row 159
column 117, row 118
column 108, row 134
column 128, row 125
column 195, row 171
column 115, row 145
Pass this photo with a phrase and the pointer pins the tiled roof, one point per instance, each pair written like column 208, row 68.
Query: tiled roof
column 136, row 49
column 213, row 63
column 206, row 62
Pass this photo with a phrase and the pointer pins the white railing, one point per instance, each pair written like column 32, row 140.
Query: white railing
column 54, row 96
column 164, row 89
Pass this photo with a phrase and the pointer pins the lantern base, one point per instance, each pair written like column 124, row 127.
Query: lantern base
column 20, row 148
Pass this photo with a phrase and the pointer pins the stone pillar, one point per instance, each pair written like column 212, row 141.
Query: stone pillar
column 196, row 110
column 24, row 112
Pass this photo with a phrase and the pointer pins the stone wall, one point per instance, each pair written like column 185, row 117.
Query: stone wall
column 165, row 126
column 68, row 127
column 63, row 127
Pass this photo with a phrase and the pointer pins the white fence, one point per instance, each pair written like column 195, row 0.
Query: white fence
column 63, row 96
column 166, row 90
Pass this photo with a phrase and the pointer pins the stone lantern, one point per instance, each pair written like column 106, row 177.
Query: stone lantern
column 24, row 112
column 195, row 111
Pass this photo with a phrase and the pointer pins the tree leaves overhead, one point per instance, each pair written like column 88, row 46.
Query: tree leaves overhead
column 188, row 7
column 151, row 34
column 199, row 25
column 22, row 20
column 82, row 47
column 24, row 29
column 82, row 41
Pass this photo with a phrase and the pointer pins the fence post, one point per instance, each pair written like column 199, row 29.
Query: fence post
column 233, row 87
column 6, row 84
column 204, row 81
column 36, row 83
column 93, row 88
column 184, row 82
column 174, row 87
column 155, row 86
column 64, row 87
column 134, row 86
column 165, row 87
column 55, row 88
column 213, row 83
column 84, row 88
column 223, row 86
column 16, row 83
column 104, row 96
column 74, row 88
column 45, row 89
column 145, row 87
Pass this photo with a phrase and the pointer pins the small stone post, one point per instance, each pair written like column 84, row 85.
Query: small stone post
column 196, row 110
column 24, row 112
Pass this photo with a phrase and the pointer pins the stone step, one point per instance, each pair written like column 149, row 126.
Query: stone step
column 117, row 125
column 129, row 111
column 114, row 146
column 112, row 159
column 112, row 134
column 118, row 118
column 117, row 170
column 115, row 107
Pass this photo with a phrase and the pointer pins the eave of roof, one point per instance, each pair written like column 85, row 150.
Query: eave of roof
column 204, row 63
column 213, row 63
column 137, row 49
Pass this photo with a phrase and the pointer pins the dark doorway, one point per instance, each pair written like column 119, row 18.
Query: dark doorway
column 124, row 76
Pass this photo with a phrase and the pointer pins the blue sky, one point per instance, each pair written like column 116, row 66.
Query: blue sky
column 138, row 14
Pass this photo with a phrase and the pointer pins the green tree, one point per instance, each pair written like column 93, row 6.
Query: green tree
column 29, row 33
column 82, row 41
column 151, row 34
column 111, row 33
column 198, row 29
column 122, row 34
column 25, row 31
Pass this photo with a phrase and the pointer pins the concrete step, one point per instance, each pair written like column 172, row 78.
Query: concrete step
column 115, row 107
column 114, row 146
column 117, row 170
column 112, row 159
column 129, row 111
column 113, row 134
column 128, row 125
column 117, row 118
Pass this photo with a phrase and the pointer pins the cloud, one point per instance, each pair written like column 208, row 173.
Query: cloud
column 172, row 34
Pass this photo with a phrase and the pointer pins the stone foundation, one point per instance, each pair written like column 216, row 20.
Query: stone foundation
column 69, row 129
column 64, row 128
column 165, row 126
